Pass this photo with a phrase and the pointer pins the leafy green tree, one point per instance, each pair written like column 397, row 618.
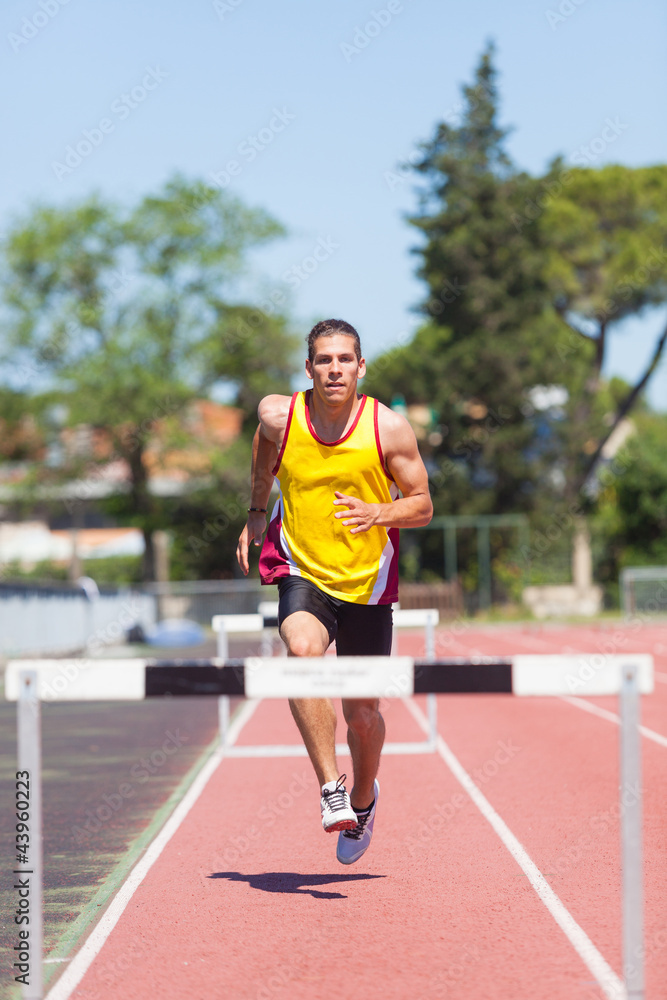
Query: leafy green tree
column 525, row 279
column 126, row 317
column 486, row 339
column 605, row 236
column 632, row 511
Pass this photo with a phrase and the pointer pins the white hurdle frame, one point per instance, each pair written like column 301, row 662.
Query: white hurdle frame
column 625, row 680
column 224, row 625
column 632, row 863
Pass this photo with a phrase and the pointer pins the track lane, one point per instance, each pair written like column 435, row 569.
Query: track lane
column 592, row 840
column 262, row 909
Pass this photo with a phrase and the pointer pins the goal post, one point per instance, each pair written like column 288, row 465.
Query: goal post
column 644, row 590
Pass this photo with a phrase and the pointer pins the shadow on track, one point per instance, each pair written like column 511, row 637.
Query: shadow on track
column 292, row 882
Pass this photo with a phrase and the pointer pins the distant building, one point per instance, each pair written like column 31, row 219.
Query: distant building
column 33, row 476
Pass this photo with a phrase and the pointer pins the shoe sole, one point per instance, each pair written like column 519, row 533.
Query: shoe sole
column 343, row 824
column 357, row 857
column 351, row 861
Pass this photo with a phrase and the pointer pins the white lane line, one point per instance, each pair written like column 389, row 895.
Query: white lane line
column 602, row 713
column 95, row 941
column 605, row 976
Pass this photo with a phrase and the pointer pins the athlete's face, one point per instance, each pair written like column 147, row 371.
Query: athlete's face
column 335, row 368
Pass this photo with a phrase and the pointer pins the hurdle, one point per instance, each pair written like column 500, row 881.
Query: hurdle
column 266, row 621
column 28, row 682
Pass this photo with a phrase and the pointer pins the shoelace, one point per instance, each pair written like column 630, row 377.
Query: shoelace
column 362, row 819
column 335, row 799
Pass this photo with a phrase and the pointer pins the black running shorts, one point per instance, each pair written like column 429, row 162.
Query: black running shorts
column 358, row 629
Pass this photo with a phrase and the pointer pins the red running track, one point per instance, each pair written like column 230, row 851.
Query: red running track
column 247, row 899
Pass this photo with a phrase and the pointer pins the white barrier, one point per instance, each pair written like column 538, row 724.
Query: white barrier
column 331, row 676
column 224, row 625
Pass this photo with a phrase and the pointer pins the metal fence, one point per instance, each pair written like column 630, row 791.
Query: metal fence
column 199, row 600
column 36, row 620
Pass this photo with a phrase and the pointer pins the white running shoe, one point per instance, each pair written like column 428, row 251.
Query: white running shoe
column 353, row 843
column 337, row 813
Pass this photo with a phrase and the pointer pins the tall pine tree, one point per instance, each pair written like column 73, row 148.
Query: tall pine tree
column 486, row 341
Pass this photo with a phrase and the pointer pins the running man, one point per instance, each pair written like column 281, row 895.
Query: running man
column 340, row 459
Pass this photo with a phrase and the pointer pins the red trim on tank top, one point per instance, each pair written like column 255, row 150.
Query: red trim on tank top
column 330, row 444
column 274, row 470
column 376, row 426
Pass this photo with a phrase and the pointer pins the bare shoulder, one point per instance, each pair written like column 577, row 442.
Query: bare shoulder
column 273, row 412
column 396, row 433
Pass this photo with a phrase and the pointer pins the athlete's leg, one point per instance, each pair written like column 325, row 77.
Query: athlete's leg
column 364, row 630
column 305, row 635
column 365, row 737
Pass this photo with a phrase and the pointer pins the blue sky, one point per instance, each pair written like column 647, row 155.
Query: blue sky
column 328, row 124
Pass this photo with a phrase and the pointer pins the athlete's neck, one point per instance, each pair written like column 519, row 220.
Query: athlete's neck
column 332, row 421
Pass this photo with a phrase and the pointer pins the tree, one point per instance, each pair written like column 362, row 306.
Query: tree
column 633, row 504
column 486, row 340
column 524, row 279
column 604, row 233
column 126, row 317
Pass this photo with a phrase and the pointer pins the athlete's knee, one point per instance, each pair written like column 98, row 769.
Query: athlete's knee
column 362, row 719
column 304, row 645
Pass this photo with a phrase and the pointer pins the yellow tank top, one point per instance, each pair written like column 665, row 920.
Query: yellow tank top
column 304, row 538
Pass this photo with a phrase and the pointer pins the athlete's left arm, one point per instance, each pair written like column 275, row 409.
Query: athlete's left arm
column 413, row 509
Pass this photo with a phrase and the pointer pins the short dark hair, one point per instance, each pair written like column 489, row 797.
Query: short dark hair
column 329, row 327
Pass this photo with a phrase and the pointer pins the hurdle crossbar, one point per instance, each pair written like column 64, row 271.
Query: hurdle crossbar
column 329, row 676
column 265, row 620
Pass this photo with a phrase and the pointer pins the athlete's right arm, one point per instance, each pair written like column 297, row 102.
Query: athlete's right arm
column 272, row 412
